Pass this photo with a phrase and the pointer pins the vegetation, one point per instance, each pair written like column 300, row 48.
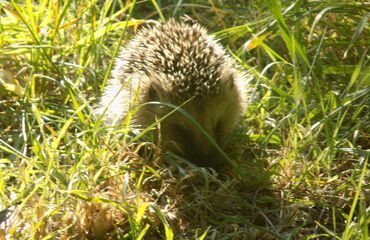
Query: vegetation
column 302, row 149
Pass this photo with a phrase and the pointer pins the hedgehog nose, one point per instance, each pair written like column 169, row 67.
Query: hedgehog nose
column 213, row 159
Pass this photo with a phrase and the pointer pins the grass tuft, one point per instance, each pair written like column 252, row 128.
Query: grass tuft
column 299, row 159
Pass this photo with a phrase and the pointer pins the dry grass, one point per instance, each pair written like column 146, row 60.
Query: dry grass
column 302, row 149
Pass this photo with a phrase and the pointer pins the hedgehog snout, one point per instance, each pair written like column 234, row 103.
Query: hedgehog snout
column 193, row 145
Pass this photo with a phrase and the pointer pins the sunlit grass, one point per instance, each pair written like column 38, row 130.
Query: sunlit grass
column 301, row 152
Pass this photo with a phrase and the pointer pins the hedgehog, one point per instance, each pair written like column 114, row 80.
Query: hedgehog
column 177, row 64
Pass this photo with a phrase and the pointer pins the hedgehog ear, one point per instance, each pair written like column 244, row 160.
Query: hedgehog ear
column 153, row 94
column 229, row 81
column 229, row 84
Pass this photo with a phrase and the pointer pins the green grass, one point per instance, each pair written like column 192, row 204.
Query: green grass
column 302, row 148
